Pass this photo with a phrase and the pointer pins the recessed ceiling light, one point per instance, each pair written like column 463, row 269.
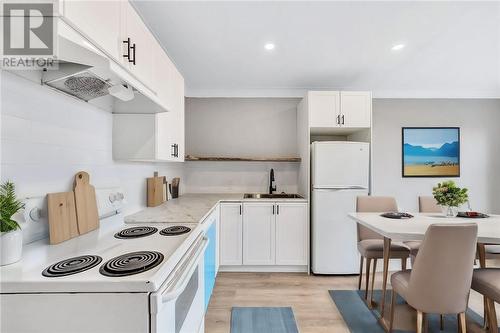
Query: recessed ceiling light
column 398, row 47
column 269, row 46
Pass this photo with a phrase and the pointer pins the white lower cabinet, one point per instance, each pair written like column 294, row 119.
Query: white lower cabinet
column 231, row 241
column 257, row 234
column 292, row 234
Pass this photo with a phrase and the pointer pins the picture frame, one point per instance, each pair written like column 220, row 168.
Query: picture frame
column 430, row 152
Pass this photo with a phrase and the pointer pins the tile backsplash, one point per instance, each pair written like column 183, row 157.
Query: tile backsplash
column 46, row 137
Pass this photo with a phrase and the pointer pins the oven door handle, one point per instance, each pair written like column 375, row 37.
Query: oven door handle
column 178, row 286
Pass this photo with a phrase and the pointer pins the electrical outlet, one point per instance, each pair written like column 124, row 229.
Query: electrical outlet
column 34, row 219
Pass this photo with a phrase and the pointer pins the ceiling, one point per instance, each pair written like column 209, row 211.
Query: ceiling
column 452, row 49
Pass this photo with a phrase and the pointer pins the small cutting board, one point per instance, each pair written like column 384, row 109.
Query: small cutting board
column 86, row 204
column 62, row 216
column 156, row 190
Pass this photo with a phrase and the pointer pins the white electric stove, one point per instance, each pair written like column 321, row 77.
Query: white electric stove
column 119, row 278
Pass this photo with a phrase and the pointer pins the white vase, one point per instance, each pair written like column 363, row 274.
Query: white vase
column 11, row 247
column 449, row 211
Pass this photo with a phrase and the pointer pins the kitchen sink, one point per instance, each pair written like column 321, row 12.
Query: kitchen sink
column 272, row 196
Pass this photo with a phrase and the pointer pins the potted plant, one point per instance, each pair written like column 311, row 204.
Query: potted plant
column 11, row 237
column 449, row 196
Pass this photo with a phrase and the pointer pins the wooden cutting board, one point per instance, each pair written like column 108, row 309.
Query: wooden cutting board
column 86, row 204
column 156, row 190
column 62, row 216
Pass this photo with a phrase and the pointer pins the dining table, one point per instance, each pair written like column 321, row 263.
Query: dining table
column 413, row 229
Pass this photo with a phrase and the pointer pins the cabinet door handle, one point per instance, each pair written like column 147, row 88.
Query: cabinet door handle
column 240, row 209
column 176, row 149
column 338, row 120
column 273, row 209
column 277, row 209
column 172, row 150
column 127, row 55
column 343, row 120
column 133, row 54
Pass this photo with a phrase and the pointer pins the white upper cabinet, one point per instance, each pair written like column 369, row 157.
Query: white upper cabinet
column 138, row 45
column 324, row 108
column 343, row 110
column 99, row 21
column 356, row 108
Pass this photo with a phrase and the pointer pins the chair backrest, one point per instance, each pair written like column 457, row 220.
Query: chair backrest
column 373, row 204
column 428, row 205
column 442, row 272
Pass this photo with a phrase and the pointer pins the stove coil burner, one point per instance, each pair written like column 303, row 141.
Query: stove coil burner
column 131, row 263
column 175, row 230
column 72, row 266
column 135, row 232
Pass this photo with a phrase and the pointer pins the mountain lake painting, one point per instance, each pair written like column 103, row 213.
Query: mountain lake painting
column 431, row 152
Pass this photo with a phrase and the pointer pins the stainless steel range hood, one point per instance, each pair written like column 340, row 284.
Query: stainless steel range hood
column 86, row 73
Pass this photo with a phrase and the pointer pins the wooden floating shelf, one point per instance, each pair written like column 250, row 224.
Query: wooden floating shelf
column 242, row 159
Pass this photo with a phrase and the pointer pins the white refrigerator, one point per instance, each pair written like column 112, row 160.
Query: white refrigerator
column 340, row 173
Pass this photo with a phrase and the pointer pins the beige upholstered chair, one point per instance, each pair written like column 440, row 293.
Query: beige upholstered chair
column 426, row 204
column 486, row 281
column 441, row 278
column 371, row 244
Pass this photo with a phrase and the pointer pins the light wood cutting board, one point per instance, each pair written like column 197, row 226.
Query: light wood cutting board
column 62, row 216
column 156, row 190
column 86, row 204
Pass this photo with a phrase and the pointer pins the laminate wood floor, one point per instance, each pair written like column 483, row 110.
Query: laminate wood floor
column 314, row 310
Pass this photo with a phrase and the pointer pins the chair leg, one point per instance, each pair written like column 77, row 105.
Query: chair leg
column 393, row 304
column 360, row 272
column 420, row 322
column 492, row 316
column 373, row 280
column 367, row 277
column 403, row 264
column 441, row 322
column 463, row 325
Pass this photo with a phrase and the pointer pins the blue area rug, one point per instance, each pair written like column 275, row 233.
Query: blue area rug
column 360, row 319
column 263, row 320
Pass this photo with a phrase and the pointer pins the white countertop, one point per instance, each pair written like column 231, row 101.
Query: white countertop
column 191, row 208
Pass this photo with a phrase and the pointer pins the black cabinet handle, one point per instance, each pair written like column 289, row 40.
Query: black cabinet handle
column 176, row 150
column 273, row 209
column 130, row 57
column 278, row 209
column 240, row 209
column 343, row 120
column 172, row 150
column 127, row 55
column 338, row 120
column 133, row 54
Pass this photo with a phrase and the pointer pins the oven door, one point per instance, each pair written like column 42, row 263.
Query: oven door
column 178, row 307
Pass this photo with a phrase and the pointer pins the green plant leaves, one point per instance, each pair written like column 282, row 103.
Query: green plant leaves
column 9, row 205
column 448, row 193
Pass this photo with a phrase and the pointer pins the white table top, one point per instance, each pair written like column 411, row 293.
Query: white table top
column 415, row 228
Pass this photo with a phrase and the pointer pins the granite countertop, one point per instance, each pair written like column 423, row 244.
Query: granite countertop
column 190, row 208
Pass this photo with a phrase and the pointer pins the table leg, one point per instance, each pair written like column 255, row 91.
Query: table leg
column 481, row 252
column 387, row 254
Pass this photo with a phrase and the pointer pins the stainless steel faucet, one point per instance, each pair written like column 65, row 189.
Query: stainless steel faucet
column 272, row 186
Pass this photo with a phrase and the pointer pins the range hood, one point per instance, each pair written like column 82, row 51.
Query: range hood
column 85, row 73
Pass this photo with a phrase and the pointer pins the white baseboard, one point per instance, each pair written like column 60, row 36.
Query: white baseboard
column 266, row 269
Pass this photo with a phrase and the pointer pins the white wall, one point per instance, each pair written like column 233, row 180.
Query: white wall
column 241, row 127
column 47, row 137
column 479, row 121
